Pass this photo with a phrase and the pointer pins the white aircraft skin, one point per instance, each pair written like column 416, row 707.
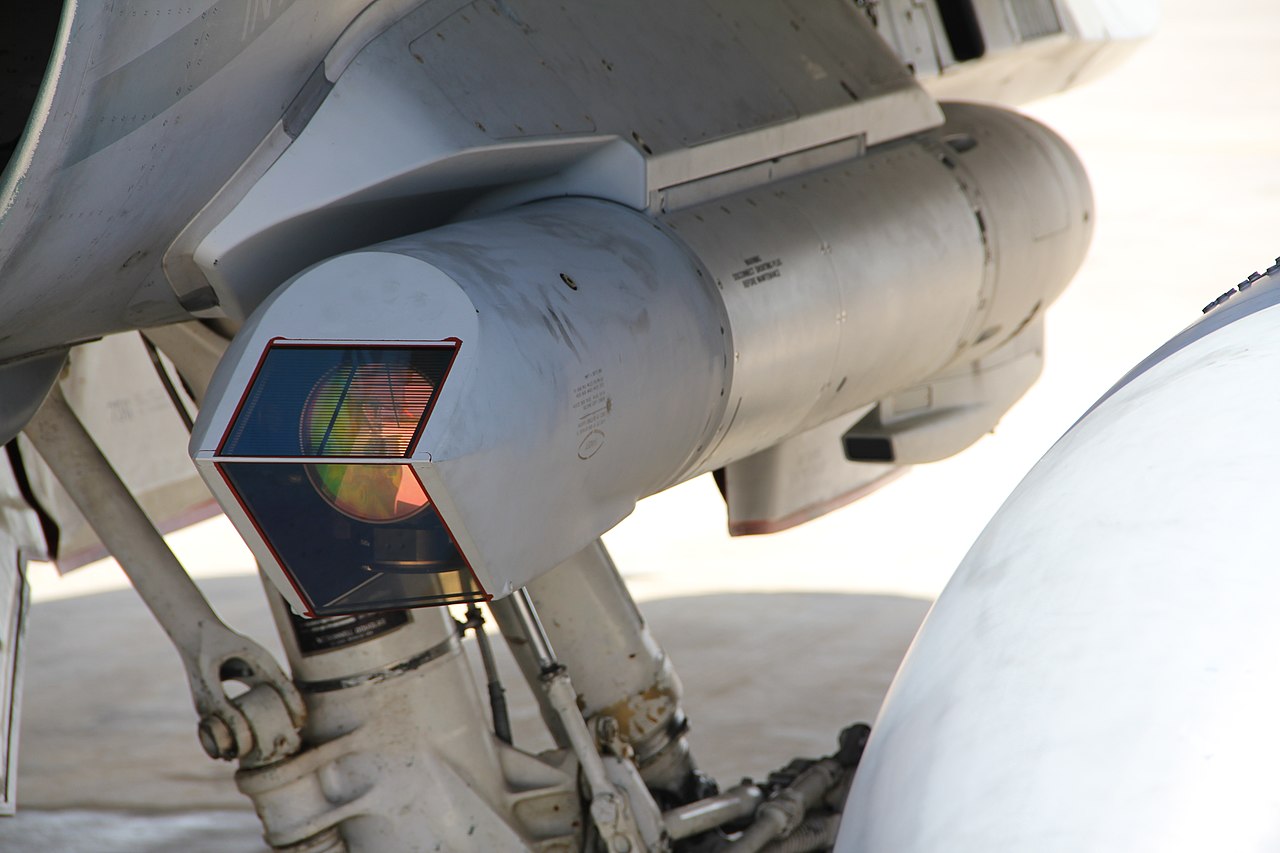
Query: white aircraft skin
column 1097, row 676
column 144, row 114
column 233, row 162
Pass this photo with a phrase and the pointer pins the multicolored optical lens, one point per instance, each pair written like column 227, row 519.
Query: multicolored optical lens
column 369, row 409
column 379, row 494
column 318, row 457
column 365, row 410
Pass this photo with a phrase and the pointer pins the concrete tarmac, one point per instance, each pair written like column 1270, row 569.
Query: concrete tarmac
column 109, row 759
column 780, row 640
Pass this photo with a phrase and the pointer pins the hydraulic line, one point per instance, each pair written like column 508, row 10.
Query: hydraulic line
column 497, row 695
column 611, row 812
column 167, row 382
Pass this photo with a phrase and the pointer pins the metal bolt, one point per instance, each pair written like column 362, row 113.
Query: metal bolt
column 607, row 729
column 217, row 738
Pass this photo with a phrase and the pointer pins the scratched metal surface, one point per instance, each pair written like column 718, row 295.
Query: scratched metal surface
column 141, row 121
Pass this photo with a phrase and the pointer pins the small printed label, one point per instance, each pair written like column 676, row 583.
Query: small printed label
column 757, row 271
column 592, row 404
column 335, row 632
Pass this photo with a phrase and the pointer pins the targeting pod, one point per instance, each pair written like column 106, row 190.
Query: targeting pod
column 449, row 415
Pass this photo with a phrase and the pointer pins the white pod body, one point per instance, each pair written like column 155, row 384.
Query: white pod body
column 602, row 355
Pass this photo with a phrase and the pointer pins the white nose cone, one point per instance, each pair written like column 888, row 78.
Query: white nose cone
column 1103, row 672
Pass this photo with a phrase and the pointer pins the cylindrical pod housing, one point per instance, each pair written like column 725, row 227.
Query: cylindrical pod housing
column 848, row 284
column 587, row 368
column 587, row 355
